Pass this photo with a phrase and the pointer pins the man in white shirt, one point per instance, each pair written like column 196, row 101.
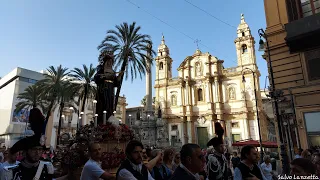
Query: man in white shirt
column 133, row 168
column 92, row 169
column 11, row 161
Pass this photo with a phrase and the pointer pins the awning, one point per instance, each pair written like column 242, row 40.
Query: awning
column 266, row 144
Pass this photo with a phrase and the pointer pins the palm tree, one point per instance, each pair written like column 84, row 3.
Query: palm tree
column 52, row 84
column 32, row 97
column 130, row 49
column 85, row 87
column 65, row 97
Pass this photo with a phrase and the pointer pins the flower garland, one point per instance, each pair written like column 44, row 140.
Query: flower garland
column 107, row 132
column 76, row 155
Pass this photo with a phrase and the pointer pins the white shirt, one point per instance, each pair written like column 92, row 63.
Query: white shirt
column 4, row 174
column 267, row 169
column 124, row 174
column 91, row 171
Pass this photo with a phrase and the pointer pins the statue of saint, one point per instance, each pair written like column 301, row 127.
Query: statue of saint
column 232, row 94
column 198, row 69
column 106, row 80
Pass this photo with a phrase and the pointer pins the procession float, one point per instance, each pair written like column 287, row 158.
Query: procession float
column 105, row 129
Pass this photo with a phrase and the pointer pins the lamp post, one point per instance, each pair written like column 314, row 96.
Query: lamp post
column 80, row 120
column 283, row 153
column 130, row 120
column 257, row 110
column 149, row 129
column 96, row 120
column 94, row 108
column 70, row 121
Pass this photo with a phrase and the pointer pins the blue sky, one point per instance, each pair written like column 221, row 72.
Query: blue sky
column 35, row 34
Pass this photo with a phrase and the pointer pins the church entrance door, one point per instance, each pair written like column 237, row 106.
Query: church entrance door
column 202, row 135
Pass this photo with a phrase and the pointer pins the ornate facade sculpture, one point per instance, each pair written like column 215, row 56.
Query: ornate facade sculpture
column 232, row 93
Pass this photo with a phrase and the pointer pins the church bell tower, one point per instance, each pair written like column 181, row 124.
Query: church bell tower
column 245, row 45
column 163, row 62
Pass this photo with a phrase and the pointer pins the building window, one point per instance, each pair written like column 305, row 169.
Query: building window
column 236, row 137
column 174, row 127
column 28, row 80
column 243, row 34
column 173, row 100
column 161, row 66
column 235, row 125
column 302, row 8
column 312, row 128
column 200, row 95
column 313, row 64
column 244, row 48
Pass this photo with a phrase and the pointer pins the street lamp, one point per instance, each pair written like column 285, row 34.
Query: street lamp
column 94, row 108
column 70, row 120
column 257, row 110
column 283, row 153
column 80, row 120
column 130, row 120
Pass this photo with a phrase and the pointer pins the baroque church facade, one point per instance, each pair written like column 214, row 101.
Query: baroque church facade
column 205, row 92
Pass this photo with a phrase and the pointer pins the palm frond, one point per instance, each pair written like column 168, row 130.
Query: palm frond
column 130, row 49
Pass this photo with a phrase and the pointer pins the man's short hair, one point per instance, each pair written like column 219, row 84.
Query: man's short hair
column 131, row 145
column 245, row 151
column 90, row 146
column 305, row 164
column 187, row 150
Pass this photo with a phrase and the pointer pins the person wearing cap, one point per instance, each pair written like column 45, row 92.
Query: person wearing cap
column 11, row 162
column 217, row 164
column 31, row 167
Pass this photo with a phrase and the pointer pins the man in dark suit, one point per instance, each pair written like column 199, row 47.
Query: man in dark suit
column 192, row 162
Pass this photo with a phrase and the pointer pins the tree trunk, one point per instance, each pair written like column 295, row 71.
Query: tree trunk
column 60, row 119
column 84, row 98
column 49, row 110
column 123, row 68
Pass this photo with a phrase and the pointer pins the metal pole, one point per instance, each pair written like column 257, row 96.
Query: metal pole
column 258, row 117
column 294, row 118
column 283, row 153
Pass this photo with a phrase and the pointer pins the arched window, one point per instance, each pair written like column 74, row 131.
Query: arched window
column 173, row 100
column 243, row 34
column 200, row 95
column 161, row 66
column 244, row 48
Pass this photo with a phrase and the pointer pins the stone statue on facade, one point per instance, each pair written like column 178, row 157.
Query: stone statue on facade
column 232, row 93
column 198, row 69
column 106, row 80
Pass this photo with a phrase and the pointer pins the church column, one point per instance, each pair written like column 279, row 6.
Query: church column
column 193, row 132
column 207, row 95
column 189, row 130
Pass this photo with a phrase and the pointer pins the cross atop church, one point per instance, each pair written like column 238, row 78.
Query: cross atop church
column 197, row 41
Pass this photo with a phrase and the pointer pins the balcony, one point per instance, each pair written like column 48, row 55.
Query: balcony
column 303, row 31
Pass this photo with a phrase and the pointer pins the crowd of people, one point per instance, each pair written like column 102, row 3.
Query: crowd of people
column 144, row 163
